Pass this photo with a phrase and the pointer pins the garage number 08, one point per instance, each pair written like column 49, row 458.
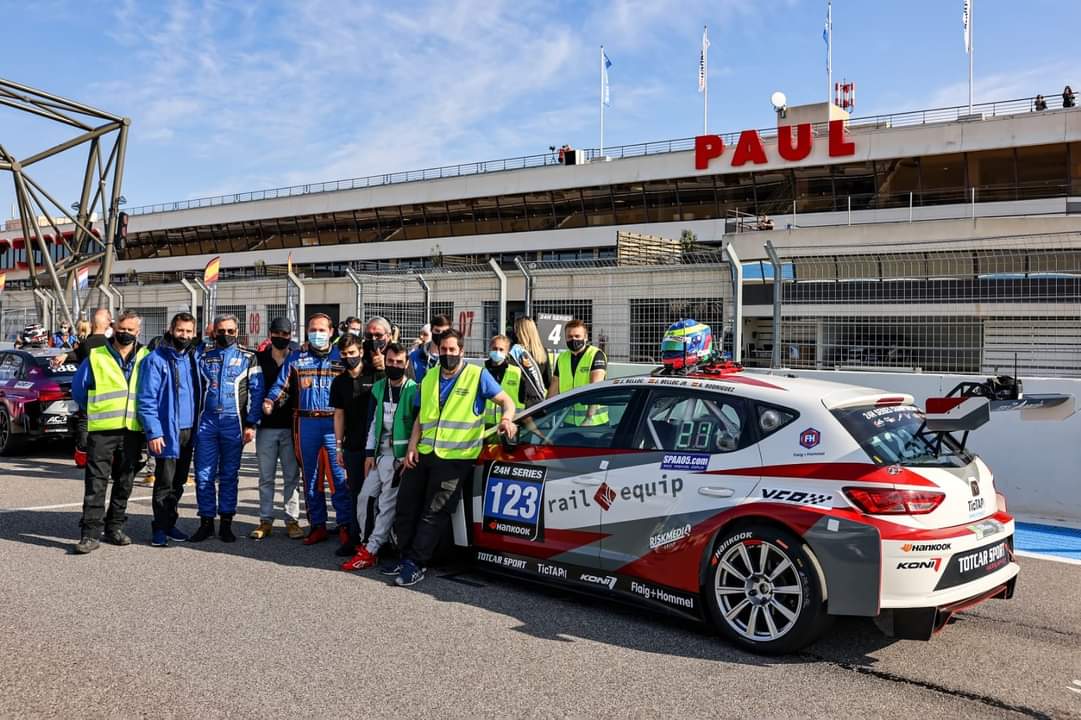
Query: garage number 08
column 514, row 501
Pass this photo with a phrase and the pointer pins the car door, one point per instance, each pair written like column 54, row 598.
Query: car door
column 539, row 497
column 665, row 490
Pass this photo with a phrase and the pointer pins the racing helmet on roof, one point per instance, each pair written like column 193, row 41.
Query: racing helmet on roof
column 34, row 335
column 686, row 343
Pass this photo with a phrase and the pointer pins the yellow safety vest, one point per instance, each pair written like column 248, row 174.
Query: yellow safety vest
column 569, row 380
column 455, row 431
column 512, row 380
column 111, row 402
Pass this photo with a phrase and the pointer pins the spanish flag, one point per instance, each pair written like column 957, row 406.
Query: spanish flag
column 210, row 274
column 3, row 281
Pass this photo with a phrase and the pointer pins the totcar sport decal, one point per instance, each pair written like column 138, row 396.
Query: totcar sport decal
column 514, row 500
column 974, row 564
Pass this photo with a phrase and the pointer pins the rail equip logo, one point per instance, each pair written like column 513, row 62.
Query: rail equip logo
column 925, row 547
column 604, row 496
column 809, row 438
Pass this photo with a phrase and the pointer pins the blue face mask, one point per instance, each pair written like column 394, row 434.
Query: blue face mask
column 497, row 357
column 318, row 338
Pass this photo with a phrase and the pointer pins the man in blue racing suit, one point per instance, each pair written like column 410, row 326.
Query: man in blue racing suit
column 232, row 382
column 308, row 374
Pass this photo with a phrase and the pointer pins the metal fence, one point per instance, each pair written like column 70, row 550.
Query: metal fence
column 255, row 303
column 13, row 318
column 470, row 295
column 1003, row 305
column 627, row 308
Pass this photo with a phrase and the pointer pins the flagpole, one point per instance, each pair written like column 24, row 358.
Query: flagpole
column 705, row 82
column 602, row 99
column 829, row 55
column 970, row 54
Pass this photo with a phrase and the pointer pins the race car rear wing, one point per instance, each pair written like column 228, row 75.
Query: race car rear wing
column 969, row 405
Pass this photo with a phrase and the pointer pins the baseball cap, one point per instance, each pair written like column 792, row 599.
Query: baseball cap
column 281, row 325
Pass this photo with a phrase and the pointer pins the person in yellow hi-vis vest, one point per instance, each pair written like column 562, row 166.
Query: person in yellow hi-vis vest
column 580, row 364
column 505, row 372
column 447, row 438
column 104, row 388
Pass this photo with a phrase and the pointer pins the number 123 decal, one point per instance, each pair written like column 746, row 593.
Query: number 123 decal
column 513, row 500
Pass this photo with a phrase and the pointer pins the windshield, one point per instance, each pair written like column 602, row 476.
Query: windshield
column 894, row 435
column 60, row 373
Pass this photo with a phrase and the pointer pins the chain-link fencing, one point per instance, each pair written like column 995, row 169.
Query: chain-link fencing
column 1002, row 305
column 627, row 303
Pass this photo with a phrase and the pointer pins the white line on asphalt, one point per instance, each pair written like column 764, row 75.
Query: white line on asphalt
column 64, row 505
column 1076, row 686
column 1038, row 556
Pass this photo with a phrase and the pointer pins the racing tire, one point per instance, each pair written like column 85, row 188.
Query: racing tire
column 10, row 442
column 763, row 590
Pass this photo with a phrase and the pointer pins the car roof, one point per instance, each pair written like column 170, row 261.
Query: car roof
column 781, row 388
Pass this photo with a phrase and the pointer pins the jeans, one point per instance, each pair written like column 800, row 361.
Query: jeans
column 274, row 445
column 427, row 497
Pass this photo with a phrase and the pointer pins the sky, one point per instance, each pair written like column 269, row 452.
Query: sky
column 229, row 97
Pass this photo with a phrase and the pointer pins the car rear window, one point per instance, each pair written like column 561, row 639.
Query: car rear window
column 895, row 435
column 43, row 363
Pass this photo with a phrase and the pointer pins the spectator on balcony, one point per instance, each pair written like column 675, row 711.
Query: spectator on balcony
column 764, row 223
column 1041, row 104
column 1067, row 97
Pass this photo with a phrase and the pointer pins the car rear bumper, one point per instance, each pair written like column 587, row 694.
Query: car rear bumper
column 923, row 623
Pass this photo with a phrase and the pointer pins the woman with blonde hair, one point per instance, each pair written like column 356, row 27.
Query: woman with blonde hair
column 529, row 353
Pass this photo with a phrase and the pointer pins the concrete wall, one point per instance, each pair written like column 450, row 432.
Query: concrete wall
column 1036, row 464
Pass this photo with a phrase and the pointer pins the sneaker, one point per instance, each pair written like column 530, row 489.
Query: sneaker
column 345, row 543
column 86, row 545
column 159, row 539
column 363, row 559
column 148, row 481
column 410, row 574
column 177, row 534
column 293, row 530
column 317, row 534
column 262, row 531
column 116, row 537
column 390, row 569
column 206, row 529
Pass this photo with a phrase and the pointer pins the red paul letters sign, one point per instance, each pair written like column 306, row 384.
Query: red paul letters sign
column 749, row 148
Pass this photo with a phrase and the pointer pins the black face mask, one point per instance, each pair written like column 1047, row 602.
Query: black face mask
column 394, row 373
column 280, row 343
column 123, row 339
column 351, row 362
column 575, row 345
column 224, row 340
column 450, row 362
column 437, row 338
column 180, row 344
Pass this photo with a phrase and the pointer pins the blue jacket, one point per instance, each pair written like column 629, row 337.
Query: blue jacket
column 308, row 375
column 420, row 362
column 232, row 383
column 167, row 390
column 83, row 382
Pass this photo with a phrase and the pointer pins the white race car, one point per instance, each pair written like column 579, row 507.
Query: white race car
column 764, row 504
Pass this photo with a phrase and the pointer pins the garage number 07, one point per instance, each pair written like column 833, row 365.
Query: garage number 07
column 513, row 501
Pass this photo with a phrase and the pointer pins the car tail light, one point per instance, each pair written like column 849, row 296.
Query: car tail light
column 885, row 501
column 47, row 396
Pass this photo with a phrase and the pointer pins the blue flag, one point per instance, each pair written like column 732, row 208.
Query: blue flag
column 606, row 97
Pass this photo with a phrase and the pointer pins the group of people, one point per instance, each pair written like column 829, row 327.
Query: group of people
column 1068, row 100
column 35, row 335
column 391, row 432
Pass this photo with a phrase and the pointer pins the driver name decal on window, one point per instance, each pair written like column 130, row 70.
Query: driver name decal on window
column 513, row 497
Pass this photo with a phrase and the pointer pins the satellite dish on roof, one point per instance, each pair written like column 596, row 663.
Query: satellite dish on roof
column 779, row 101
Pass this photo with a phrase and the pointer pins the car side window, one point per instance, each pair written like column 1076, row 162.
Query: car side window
column 693, row 422
column 588, row 420
column 10, row 365
column 772, row 418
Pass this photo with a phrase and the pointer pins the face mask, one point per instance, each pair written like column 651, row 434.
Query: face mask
column 124, row 339
column 437, row 337
column 394, row 373
column 354, row 331
column 319, row 338
column 351, row 362
column 224, row 340
column 575, row 345
column 108, row 332
column 180, row 344
column 450, row 362
column 279, row 343
column 498, row 357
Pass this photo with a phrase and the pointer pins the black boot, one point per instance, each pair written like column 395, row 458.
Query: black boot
column 225, row 528
column 206, row 529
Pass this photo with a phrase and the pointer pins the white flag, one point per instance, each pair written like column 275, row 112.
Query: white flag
column 702, row 62
column 966, row 10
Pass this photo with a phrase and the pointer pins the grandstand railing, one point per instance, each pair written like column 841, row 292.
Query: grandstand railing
column 909, row 118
